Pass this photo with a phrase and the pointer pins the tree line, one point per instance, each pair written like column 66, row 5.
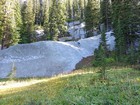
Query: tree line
column 19, row 19
column 123, row 18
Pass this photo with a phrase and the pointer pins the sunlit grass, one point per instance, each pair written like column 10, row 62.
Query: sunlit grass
column 82, row 87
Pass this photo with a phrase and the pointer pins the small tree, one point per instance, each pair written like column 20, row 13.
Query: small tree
column 101, row 57
column 100, row 60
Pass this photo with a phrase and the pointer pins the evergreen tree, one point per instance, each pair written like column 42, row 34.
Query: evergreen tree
column 9, row 33
column 38, row 10
column 55, row 24
column 102, row 58
column 81, row 9
column 69, row 9
column 121, row 20
column 46, row 7
column 76, row 9
column 61, row 19
column 41, row 12
column 18, row 17
column 91, row 16
column 28, row 21
column 85, row 5
column 101, row 55
column 76, row 14
column 105, row 13
column 15, row 23
column 52, row 22
column 2, row 19
column 120, row 40
column 46, row 19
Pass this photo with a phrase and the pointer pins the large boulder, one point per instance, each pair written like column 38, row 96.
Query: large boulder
column 76, row 30
column 46, row 58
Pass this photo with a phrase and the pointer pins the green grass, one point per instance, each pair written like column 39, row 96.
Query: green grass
column 83, row 87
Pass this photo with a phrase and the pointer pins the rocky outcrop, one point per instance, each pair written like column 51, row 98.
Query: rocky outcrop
column 46, row 58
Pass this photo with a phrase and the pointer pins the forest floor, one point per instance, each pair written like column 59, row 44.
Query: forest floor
column 81, row 87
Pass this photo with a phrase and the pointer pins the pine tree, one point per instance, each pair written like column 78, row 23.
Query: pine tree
column 103, row 53
column 117, row 29
column 81, row 9
column 85, row 5
column 55, row 24
column 15, row 23
column 105, row 13
column 41, row 12
column 69, row 10
column 46, row 19
column 102, row 58
column 9, row 33
column 61, row 19
column 28, row 21
column 76, row 14
column 36, row 8
column 120, row 40
column 91, row 16
column 2, row 20
column 121, row 20
column 134, row 25
column 52, row 22
column 76, row 9
column 46, row 7
column 18, row 17
column 133, row 51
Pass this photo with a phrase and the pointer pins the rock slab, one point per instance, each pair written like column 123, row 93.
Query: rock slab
column 45, row 58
